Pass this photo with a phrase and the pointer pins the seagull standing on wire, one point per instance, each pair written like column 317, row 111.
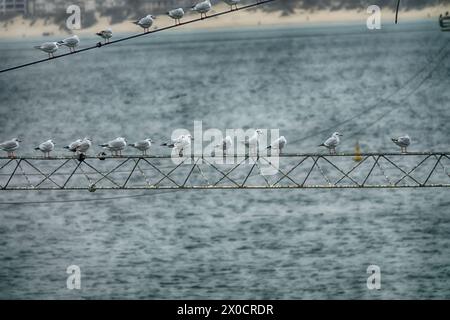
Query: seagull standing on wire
column 142, row 145
column 202, row 8
column 115, row 146
column 278, row 144
column 145, row 22
column 71, row 42
column 232, row 3
column 176, row 14
column 403, row 142
column 180, row 143
column 225, row 145
column 253, row 142
column 105, row 34
column 84, row 146
column 46, row 147
column 72, row 147
column 332, row 142
column 48, row 47
column 11, row 146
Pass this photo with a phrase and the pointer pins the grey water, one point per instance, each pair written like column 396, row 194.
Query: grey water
column 272, row 244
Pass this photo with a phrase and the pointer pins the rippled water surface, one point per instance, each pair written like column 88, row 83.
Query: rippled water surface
column 308, row 82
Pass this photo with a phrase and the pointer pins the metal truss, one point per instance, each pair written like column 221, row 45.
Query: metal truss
column 304, row 171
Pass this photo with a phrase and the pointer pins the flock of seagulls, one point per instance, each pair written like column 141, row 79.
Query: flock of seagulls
column 146, row 22
column 180, row 144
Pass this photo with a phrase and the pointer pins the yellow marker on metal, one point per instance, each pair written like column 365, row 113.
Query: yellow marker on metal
column 357, row 156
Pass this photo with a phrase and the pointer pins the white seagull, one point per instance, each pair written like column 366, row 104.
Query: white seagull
column 224, row 145
column 105, row 34
column 202, row 8
column 10, row 146
column 232, row 3
column 145, row 22
column 332, row 142
column 403, row 142
column 176, row 14
column 142, row 145
column 48, row 47
column 46, row 147
column 180, row 143
column 253, row 142
column 115, row 146
column 84, row 146
column 71, row 42
column 278, row 144
column 72, row 147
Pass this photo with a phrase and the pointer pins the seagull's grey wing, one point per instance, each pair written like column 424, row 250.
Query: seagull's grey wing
column 8, row 145
column 331, row 142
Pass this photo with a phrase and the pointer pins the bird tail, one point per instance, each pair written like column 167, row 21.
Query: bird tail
column 394, row 140
column 269, row 147
column 99, row 34
column 37, row 148
column 103, row 145
column 321, row 145
column 135, row 22
column 66, row 147
column 170, row 145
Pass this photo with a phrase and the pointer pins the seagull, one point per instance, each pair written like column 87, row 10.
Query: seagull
column 48, row 47
column 71, row 42
column 232, row 3
column 10, row 146
column 202, row 8
column 180, row 143
column 105, row 34
column 84, row 145
column 253, row 142
column 225, row 145
column 278, row 144
column 46, row 147
column 403, row 142
column 145, row 22
column 72, row 147
column 176, row 14
column 115, row 146
column 142, row 145
column 332, row 142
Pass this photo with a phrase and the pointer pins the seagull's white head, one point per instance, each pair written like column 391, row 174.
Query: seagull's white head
column 151, row 16
column 149, row 140
column 337, row 134
column 17, row 140
column 189, row 137
column 258, row 132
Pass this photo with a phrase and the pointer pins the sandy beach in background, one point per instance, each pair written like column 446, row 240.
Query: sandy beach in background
column 20, row 28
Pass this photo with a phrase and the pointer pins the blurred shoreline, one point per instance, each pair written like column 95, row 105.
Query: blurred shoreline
column 22, row 28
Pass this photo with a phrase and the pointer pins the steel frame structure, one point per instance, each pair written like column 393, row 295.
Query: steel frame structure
column 297, row 171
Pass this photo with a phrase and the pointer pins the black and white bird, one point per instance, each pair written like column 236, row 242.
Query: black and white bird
column 225, row 145
column 232, row 3
column 71, row 42
column 202, row 8
column 403, row 142
column 46, row 147
column 145, row 22
column 105, row 34
column 176, row 14
column 48, row 47
column 72, row 147
column 278, row 144
column 142, row 145
column 179, row 144
column 332, row 142
column 115, row 146
column 10, row 146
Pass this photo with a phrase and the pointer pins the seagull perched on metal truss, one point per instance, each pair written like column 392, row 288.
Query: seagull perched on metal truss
column 176, row 14
column 71, row 42
column 142, row 145
column 253, row 142
column 145, row 22
column 72, row 147
column 115, row 146
column 48, row 47
column 278, row 144
column 84, row 146
column 105, row 34
column 202, row 8
column 232, row 3
column 224, row 145
column 403, row 142
column 180, row 143
column 332, row 142
column 46, row 147
column 10, row 146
